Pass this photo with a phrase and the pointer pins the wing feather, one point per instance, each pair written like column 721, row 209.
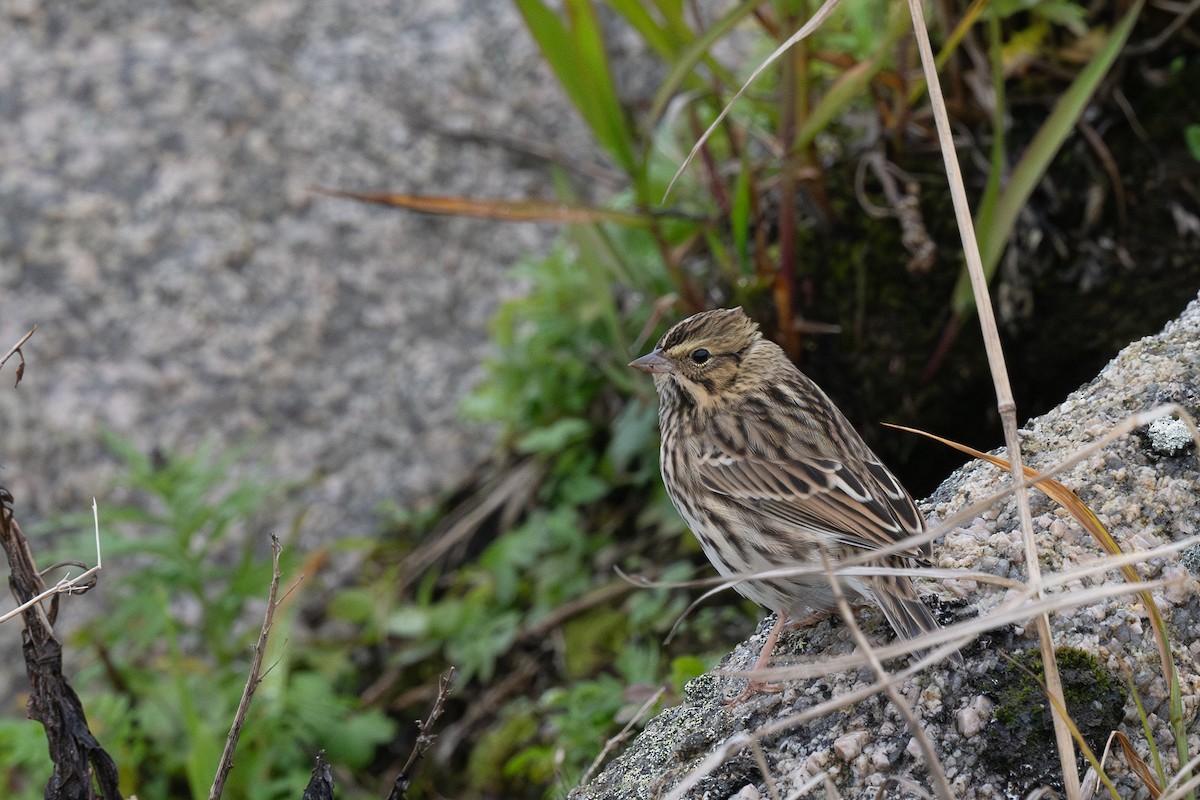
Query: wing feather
column 860, row 505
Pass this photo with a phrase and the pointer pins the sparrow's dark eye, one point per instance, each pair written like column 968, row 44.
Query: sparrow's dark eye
column 701, row 355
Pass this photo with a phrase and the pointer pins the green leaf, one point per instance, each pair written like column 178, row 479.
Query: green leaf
column 739, row 216
column 476, row 651
column 684, row 669
column 353, row 605
column 580, row 488
column 593, row 640
column 554, row 437
column 634, row 436
column 662, row 40
column 850, row 84
column 358, row 735
column 1191, row 135
column 408, row 622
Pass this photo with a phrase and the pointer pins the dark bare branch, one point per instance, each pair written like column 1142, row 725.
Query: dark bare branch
column 82, row 769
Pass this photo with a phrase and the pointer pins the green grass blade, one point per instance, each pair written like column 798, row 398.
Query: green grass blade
column 1146, row 729
column 994, row 231
column 574, row 49
column 815, row 21
column 612, row 129
column 739, row 216
column 991, row 192
column 553, row 39
column 672, row 11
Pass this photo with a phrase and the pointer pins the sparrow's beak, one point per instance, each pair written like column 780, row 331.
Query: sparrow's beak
column 653, row 362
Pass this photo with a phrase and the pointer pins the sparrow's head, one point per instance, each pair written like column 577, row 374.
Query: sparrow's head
column 703, row 354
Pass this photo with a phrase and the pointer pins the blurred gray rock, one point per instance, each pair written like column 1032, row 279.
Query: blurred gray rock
column 1144, row 497
column 155, row 223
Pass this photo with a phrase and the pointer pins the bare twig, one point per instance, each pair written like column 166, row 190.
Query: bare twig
column 486, row 704
column 252, row 680
column 16, row 348
column 425, row 736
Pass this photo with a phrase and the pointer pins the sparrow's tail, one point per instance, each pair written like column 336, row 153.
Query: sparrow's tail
column 905, row 612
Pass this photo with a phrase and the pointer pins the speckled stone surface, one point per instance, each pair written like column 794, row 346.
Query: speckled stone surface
column 1144, row 497
column 155, row 222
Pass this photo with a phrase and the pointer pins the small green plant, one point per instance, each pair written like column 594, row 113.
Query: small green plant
column 162, row 669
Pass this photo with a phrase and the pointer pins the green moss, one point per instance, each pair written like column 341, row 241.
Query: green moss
column 1021, row 735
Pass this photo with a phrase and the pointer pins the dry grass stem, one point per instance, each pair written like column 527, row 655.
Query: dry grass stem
column 1135, row 762
column 909, row 786
column 955, row 636
column 936, row 772
column 1012, row 611
column 1004, row 400
column 1173, row 792
column 17, row 347
column 509, row 492
column 729, row 747
column 809, row 785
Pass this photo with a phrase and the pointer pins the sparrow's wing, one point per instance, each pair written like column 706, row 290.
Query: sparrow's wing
column 857, row 501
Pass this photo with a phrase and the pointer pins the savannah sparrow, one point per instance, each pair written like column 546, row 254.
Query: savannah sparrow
column 765, row 470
